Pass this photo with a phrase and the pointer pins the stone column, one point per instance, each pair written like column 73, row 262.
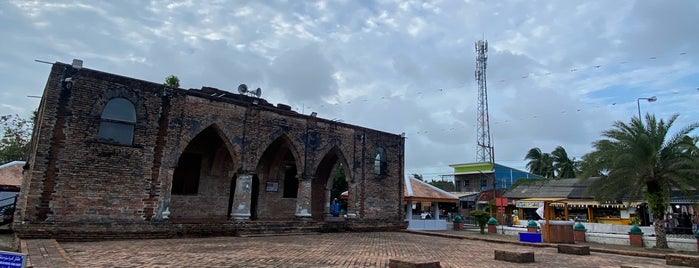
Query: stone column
column 303, row 199
column 242, row 197
column 436, row 210
column 409, row 210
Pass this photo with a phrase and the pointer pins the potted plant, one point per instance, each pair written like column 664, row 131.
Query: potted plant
column 579, row 232
column 636, row 236
column 532, row 227
column 458, row 222
column 492, row 225
column 481, row 218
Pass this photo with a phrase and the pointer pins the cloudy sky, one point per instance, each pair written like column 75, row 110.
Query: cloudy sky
column 559, row 72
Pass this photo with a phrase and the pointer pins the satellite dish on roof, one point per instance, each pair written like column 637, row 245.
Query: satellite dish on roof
column 258, row 92
column 242, row 89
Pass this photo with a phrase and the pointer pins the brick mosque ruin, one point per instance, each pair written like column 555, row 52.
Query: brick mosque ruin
column 117, row 157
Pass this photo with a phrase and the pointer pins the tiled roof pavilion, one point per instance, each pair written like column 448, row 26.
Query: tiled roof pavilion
column 11, row 175
column 416, row 190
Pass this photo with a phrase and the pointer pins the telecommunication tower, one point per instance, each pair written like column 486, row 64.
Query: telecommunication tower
column 484, row 148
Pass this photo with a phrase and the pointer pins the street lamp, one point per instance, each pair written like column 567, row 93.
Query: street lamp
column 638, row 104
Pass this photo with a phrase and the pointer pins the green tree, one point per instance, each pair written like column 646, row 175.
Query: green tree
column 556, row 164
column 481, row 218
column 637, row 159
column 540, row 163
column 444, row 185
column 417, row 177
column 17, row 132
column 564, row 166
column 172, row 81
column 340, row 184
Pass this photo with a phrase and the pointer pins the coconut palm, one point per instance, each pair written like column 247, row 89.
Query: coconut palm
column 644, row 159
column 540, row 163
column 563, row 165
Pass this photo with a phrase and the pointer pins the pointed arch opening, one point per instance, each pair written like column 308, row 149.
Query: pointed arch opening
column 329, row 182
column 201, row 189
column 278, row 178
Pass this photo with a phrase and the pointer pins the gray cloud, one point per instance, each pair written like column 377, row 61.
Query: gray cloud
column 559, row 73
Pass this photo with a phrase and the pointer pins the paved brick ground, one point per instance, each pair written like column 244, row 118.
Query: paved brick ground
column 323, row 250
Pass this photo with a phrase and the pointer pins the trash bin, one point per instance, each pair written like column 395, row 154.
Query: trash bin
column 560, row 232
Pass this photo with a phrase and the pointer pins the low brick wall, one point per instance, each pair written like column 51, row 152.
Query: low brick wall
column 682, row 260
column 514, row 256
column 154, row 230
column 573, row 249
column 410, row 263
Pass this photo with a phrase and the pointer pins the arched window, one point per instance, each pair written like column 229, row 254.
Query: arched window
column 380, row 164
column 118, row 120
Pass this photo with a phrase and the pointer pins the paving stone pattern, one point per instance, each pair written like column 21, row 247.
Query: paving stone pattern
column 371, row 249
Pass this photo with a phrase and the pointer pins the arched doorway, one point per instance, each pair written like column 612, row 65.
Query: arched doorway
column 201, row 188
column 277, row 182
column 328, row 184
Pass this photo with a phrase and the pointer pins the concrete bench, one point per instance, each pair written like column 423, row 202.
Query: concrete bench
column 682, row 260
column 403, row 263
column 573, row 249
column 514, row 256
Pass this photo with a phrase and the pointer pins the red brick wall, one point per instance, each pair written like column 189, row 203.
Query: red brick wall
column 76, row 177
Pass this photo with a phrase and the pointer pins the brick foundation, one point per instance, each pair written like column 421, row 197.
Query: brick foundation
column 514, row 256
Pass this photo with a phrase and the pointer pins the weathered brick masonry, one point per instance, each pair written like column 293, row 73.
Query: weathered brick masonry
column 115, row 157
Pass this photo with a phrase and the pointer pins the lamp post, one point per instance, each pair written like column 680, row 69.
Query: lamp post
column 638, row 104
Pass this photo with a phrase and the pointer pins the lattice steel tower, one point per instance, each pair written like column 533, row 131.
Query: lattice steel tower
column 484, row 148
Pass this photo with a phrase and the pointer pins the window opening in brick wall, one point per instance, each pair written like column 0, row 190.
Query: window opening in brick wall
column 118, row 120
column 380, row 163
column 291, row 183
column 185, row 180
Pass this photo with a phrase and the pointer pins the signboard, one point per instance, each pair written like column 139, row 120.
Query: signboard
column 272, row 186
column 501, row 209
column 501, row 201
column 12, row 259
column 529, row 204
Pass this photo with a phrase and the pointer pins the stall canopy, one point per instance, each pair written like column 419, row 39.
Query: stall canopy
column 416, row 190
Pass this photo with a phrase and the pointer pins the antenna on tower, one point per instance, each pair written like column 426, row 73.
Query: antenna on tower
column 484, row 148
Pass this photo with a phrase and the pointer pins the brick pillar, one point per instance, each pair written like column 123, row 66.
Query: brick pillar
column 303, row 199
column 242, row 197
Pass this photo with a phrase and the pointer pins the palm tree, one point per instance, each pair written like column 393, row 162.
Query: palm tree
column 540, row 163
column 564, row 166
column 644, row 159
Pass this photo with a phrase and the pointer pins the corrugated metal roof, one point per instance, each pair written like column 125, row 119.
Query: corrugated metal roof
column 550, row 188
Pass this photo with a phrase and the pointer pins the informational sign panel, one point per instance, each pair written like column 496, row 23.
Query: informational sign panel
column 12, row 259
column 501, row 201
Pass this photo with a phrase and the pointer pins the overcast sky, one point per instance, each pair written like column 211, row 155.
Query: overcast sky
column 559, row 72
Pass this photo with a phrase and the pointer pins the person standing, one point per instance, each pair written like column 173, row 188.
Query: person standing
column 336, row 208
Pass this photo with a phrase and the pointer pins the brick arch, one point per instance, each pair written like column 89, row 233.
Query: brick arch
column 121, row 92
column 201, row 181
column 279, row 165
column 322, row 182
column 232, row 150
